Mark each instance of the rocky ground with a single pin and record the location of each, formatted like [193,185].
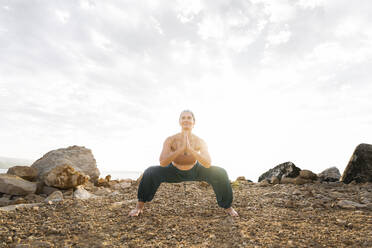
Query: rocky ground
[186,215]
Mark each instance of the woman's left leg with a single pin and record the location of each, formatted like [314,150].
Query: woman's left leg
[218,178]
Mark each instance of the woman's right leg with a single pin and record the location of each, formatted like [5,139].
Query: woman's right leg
[151,180]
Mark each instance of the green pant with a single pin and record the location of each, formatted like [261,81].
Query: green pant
[215,176]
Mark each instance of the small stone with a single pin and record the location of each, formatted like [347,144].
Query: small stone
[102,191]
[56,196]
[296,192]
[81,193]
[346,204]
[241,178]
[341,222]
[264,183]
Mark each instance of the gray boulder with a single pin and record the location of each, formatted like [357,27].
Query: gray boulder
[331,174]
[359,168]
[26,172]
[79,157]
[13,185]
[287,169]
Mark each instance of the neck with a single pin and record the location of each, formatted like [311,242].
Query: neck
[186,131]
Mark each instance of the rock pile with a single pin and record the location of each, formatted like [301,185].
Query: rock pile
[58,175]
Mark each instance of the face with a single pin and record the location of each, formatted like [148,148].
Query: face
[186,121]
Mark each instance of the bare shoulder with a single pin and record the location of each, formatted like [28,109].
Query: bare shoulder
[170,139]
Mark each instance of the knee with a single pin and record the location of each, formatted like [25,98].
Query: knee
[219,172]
[151,171]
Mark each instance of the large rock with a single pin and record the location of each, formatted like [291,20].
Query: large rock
[331,174]
[64,177]
[287,169]
[359,168]
[13,185]
[26,172]
[80,158]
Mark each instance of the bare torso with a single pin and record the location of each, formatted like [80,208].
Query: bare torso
[184,161]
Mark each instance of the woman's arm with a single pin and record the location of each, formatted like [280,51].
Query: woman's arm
[203,156]
[167,155]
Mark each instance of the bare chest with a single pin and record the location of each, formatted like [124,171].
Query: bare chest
[177,142]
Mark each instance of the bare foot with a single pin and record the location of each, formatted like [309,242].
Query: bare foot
[135,212]
[231,212]
[138,210]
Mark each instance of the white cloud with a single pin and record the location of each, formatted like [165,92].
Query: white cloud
[156,25]
[278,37]
[62,16]
[311,4]
[187,10]
[278,11]
[211,26]
[100,40]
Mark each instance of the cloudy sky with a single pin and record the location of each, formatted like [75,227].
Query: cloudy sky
[268,81]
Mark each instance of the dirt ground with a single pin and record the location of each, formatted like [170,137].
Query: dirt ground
[187,215]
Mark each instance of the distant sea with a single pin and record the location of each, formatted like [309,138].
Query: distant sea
[114,174]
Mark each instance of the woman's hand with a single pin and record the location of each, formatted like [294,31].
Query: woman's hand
[183,147]
[188,146]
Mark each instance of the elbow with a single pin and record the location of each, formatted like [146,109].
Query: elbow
[162,163]
[207,164]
